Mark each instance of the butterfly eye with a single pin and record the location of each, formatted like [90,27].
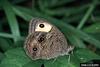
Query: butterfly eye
[41,26]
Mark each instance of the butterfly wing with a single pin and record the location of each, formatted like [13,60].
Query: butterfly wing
[49,44]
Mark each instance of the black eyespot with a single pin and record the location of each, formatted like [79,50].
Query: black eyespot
[41,25]
[34,49]
[41,39]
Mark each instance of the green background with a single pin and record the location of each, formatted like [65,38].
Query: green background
[78,20]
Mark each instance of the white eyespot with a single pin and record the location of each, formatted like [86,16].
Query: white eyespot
[44,27]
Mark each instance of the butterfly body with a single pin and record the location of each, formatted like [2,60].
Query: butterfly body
[45,43]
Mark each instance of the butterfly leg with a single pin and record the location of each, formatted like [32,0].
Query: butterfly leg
[69,56]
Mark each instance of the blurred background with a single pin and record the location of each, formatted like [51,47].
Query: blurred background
[78,20]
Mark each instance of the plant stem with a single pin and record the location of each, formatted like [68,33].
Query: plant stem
[86,16]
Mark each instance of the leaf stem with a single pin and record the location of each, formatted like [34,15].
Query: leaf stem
[86,16]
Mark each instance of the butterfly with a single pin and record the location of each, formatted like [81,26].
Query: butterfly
[45,41]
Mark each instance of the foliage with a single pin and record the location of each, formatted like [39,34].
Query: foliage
[78,20]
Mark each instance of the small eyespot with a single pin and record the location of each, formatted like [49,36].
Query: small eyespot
[41,25]
[41,39]
[35,49]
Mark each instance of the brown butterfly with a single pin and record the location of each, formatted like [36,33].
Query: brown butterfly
[45,41]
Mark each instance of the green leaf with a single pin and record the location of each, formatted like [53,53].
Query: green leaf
[57,62]
[10,65]
[75,40]
[86,55]
[88,13]
[1,56]
[4,44]
[15,57]
[34,63]
[73,61]
[6,35]
[94,28]
[22,13]
[62,61]
[96,35]
[14,2]
[54,3]
[73,19]
[66,12]
[11,17]
[17,52]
